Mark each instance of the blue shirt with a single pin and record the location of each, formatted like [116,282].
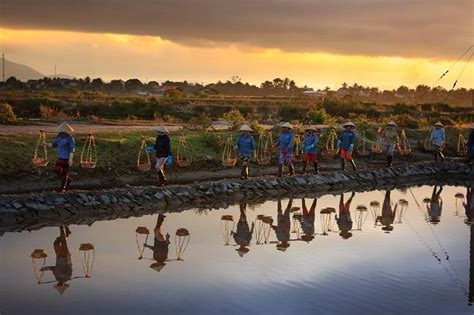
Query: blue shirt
[437,136]
[311,143]
[246,145]
[347,139]
[65,145]
[285,141]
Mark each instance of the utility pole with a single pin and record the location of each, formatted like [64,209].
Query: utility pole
[3,67]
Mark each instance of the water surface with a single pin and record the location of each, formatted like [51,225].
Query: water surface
[420,266]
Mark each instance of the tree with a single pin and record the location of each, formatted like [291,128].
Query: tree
[6,114]
[97,84]
[116,85]
[133,85]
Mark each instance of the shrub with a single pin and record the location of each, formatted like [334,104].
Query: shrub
[235,117]
[7,115]
[317,116]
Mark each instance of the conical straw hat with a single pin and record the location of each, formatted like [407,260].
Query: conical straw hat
[287,125]
[440,124]
[162,129]
[350,123]
[392,123]
[245,127]
[65,127]
[61,288]
[312,128]
[157,266]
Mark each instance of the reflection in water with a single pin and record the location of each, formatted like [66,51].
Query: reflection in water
[307,220]
[263,227]
[326,220]
[62,270]
[388,216]
[375,211]
[435,205]
[429,246]
[403,203]
[282,229]
[344,221]
[243,235]
[226,228]
[181,242]
[161,243]
[361,216]
[469,206]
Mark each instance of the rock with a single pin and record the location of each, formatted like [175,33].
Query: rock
[17,205]
[105,199]
[83,196]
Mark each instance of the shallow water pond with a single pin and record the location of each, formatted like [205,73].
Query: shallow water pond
[379,252]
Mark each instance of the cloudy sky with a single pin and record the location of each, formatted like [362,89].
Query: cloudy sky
[316,42]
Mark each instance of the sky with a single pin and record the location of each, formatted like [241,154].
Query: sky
[317,43]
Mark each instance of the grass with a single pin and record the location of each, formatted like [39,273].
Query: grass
[117,151]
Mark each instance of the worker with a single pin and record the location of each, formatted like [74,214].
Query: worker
[307,220]
[285,144]
[344,221]
[66,146]
[62,271]
[470,146]
[310,148]
[246,146]
[438,140]
[160,246]
[391,139]
[163,153]
[435,206]
[282,229]
[243,235]
[345,145]
[388,215]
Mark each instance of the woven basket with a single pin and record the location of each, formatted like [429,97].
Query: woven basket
[144,167]
[330,152]
[142,230]
[88,164]
[39,253]
[405,151]
[182,232]
[183,162]
[40,162]
[227,217]
[86,246]
[363,153]
[229,162]
[377,149]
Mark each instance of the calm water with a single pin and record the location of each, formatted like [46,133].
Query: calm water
[369,270]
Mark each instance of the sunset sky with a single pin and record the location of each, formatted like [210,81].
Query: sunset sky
[318,43]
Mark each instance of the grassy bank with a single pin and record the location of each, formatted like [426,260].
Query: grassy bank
[117,152]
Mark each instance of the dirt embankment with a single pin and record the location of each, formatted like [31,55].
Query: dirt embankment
[45,180]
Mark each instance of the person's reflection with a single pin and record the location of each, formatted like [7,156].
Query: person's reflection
[344,220]
[388,215]
[282,229]
[469,206]
[62,271]
[435,206]
[307,221]
[243,235]
[160,245]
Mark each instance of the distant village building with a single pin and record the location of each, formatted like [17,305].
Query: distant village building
[313,93]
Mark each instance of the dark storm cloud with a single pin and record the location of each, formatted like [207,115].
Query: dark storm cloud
[429,28]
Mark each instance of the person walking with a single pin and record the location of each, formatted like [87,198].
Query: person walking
[310,147]
[470,146]
[163,152]
[66,146]
[391,139]
[435,206]
[346,145]
[285,143]
[246,146]
[438,140]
